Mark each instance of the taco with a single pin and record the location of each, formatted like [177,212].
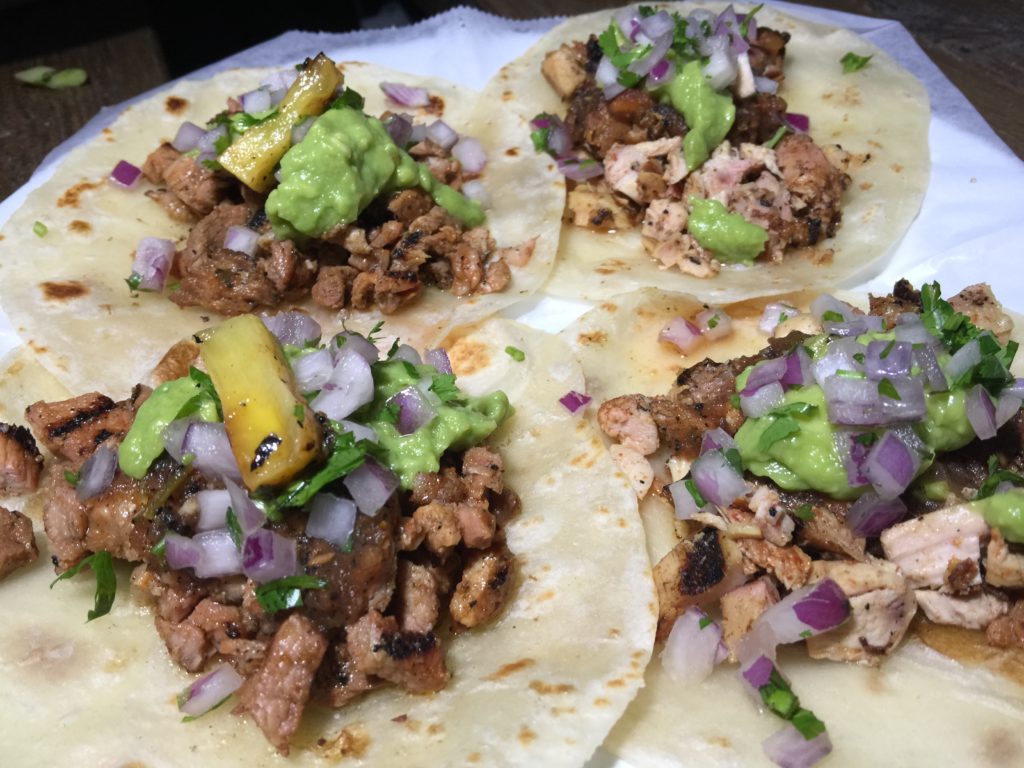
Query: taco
[357,228]
[721,152]
[492,633]
[831,502]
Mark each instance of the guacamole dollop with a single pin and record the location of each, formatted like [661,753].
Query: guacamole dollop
[708,114]
[461,422]
[1004,511]
[345,161]
[729,236]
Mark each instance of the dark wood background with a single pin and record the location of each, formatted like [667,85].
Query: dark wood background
[129,47]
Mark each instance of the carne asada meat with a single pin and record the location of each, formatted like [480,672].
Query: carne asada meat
[17,542]
[20,461]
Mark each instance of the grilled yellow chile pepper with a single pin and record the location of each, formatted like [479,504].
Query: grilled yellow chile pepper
[254,155]
[273,433]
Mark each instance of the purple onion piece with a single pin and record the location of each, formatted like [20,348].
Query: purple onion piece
[1007,407]
[313,370]
[981,413]
[208,141]
[869,515]
[891,465]
[799,371]
[125,174]
[349,387]
[97,473]
[965,358]
[209,691]
[471,154]
[442,134]
[188,136]
[152,263]
[888,358]
[408,354]
[758,673]
[840,355]
[763,400]
[174,438]
[439,359]
[399,128]
[853,454]
[406,95]
[414,410]
[574,401]
[359,431]
[255,101]
[267,556]
[824,608]
[788,747]
[218,554]
[213,509]
[371,485]
[181,551]
[249,516]
[716,439]
[295,328]
[209,445]
[332,519]
[714,323]
[765,372]
[716,479]
[580,170]
[796,121]
[681,333]
[771,318]
[924,357]
[692,648]
[241,239]
[357,343]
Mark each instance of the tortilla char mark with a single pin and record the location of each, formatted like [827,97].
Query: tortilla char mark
[175,105]
[63,290]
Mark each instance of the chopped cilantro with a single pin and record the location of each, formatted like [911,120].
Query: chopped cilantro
[997,476]
[345,456]
[783,317]
[389,413]
[852,62]
[102,564]
[645,11]
[698,497]
[515,353]
[732,455]
[160,548]
[234,528]
[539,137]
[705,622]
[780,699]
[866,438]
[281,594]
[713,322]
[807,723]
[610,42]
[40,229]
[887,350]
[859,357]
[776,138]
[134,281]
[806,633]
[832,316]
[780,428]
[349,98]
[887,389]
[798,408]
[745,24]
[72,477]
[734,399]
[804,512]
[443,385]
[376,329]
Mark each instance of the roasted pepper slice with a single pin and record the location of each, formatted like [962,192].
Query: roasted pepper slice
[254,155]
[273,433]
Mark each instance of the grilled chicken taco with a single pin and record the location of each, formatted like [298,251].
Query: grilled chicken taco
[728,153]
[833,512]
[257,190]
[368,558]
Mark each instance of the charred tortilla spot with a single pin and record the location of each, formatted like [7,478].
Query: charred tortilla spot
[548,688]
[80,227]
[705,566]
[510,669]
[468,356]
[507,95]
[526,735]
[73,194]
[175,104]
[61,290]
[267,446]
[512,151]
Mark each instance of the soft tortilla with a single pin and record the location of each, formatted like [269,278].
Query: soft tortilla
[929,707]
[66,292]
[879,115]
[541,686]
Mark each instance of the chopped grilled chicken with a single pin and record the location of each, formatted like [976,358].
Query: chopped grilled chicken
[881,608]
[635,467]
[1003,568]
[825,531]
[696,571]
[627,420]
[776,526]
[1008,631]
[924,547]
[790,565]
[974,612]
[741,608]
[563,69]
[636,170]
[978,303]
[591,204]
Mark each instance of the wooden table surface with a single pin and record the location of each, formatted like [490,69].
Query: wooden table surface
[976,44]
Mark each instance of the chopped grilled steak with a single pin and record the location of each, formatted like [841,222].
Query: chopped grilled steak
[758,117]
[486,583]
[411,660]
[20,460]
[195,185]
[340,680]
[17,542]
[72,429]
[767,53]
[417,597]
[904,298]
[275,696]
[826,531]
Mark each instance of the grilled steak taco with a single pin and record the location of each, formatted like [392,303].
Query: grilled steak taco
[721,152]
[259,190]
[831,502]
[367,557]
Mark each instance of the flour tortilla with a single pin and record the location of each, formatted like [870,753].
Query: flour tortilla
[920,708]
[541,686]
[879,115]
[65,292]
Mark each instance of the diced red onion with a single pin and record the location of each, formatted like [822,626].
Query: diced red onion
[751,27]
[661,73]
[771,318]
[1006,407]
[981,413]
[926,360]
[574,401]
[891,465]
[442,134]
[658,24]
[174,438]
[796,121]
[152,262]
[267,556]
[474,189]
[728,25]
[299,131]
[207,142]
[799,369]
[471,154]
[869,515]
[406,95]
[371,485]
[580,170]
[241,239]
[414,410]
[659,47]
[295,328]
[788,748]
[250,517]
[765,372]
[213,510]
[716,439]
[841,355]
[312,370]
[188,136]
[218,555]
[720,70]
[209,691]
[709,46]
[765,84]
[559,140]
[853,454]
[681,333]
[408,354]
[722,323]
[332,519]
[828,303]
[716,479]
[255,101]
[180,551]
[399,128]
[825,606]
[692,650]
[763,400]
[683,501]
[1016,389]
[857,325]
[910,328]
[209,445]
[857,402]
[280,81]
[125,174]
[349,340]
[349,387]
[359,431]
[965,358]
[896,362]
[758,673]
[439,359]
[607,75]
[97,473]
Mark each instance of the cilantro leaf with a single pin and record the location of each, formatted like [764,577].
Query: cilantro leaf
[72,477]
[698,497]
[997,476]
[887,389]
[852,62]
[376,329]
[515,353]
[780,428]
[832,316]
[778,696]
[776,137]
[345,456]
[102,564]
[234,529]
[732,455]
[804,512]
[390,413]
[745,24]
[134,281]
[705,622]
[798,408]
[349,98]
[40,230]
[443,385]
[281,594]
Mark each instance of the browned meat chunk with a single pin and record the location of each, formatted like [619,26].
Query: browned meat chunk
[20,460]
[331,287]
[1008,631]
[388,291]
[159,160]
[1003,567]
[445,486]
[627,420]
[768,53]
[169,201]
[64,521]
[186,643]
[412,660]
[176,362]
[340,679]
[176,592]
[17,543]
[276,695]
[486,583]
[565,69]
[592,204]
[227,282]
[820,185]
[790,565]
[476,523]
[441,525]
[195,185]
[409,204]
[695,572]
[482,469]
[904,298]
[207,236]
[982,308]
[72,429]
[419,605]
[826,531]
[741,608]
[963,577]
[758,117]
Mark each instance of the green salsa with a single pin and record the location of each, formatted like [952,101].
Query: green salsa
[708,114]
[1004,511]
[459,424]
[345,161]
[729,236]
